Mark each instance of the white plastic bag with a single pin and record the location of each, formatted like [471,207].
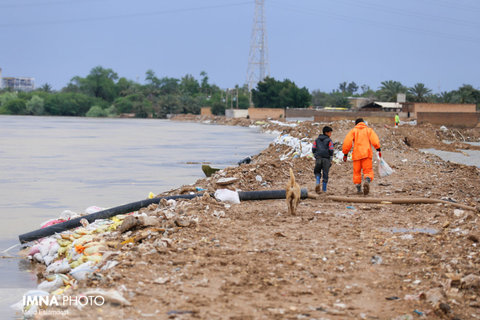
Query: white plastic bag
[226,195]
[82,271]
[383,168]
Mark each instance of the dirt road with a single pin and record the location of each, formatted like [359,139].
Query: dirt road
[333,260]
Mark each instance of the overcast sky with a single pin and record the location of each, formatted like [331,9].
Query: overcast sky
[315,43]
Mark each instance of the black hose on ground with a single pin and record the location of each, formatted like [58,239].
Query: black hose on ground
[134,206]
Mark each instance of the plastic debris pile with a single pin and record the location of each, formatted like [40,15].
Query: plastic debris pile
[83,253]
[299,147]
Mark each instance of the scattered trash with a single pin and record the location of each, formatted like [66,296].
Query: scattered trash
[470,281]
[404,317]
[179,312]
[420,313]
[410,230]
[258,178]
[226,195]
[376,260]
[112,296]
[161,280]
[392,298]
[301,146]
[82,271]
[208,171]
[226,181]
[218,214]
[247,160]
[53,282]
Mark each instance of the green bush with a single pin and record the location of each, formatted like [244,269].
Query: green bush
[96,112]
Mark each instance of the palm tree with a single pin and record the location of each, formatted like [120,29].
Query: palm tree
[46,87]
[419,93]
[389,90]
[468,94]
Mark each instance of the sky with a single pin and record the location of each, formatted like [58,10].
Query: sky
[316,43]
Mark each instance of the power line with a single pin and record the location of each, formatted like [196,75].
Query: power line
[123,16]
[42,4]
[356,19]
[402,12]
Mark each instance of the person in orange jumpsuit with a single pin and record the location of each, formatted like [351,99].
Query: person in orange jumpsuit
[362,138]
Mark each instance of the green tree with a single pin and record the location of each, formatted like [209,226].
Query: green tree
[389,90]
[97,112]
[99,83]
[468,94]
[271,93]
[167,104]
[69,104]
[338,100]
[142,109]
[218,108]
[189,85]
[126,87]
[15,106]
[35,106]
[352,87]
[448,97]
[320,99]
[46,88]
[419,93]
[7,96]
[127,104]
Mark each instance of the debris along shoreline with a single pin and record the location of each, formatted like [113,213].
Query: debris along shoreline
[210,259]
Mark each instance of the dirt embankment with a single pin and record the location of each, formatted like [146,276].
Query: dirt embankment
[210,260]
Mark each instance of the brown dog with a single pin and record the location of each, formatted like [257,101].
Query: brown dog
[292,194]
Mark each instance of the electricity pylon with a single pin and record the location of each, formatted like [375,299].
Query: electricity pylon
[258,67]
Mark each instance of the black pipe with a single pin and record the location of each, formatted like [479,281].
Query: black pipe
[108,213]
[134,206]
[267,194]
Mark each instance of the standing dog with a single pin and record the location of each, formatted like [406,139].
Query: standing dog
[292,194]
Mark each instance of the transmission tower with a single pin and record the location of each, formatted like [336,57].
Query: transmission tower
[258,67]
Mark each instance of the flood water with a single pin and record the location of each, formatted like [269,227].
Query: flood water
[51,164]
[468,157]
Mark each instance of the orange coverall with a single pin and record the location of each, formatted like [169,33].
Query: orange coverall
[362,138]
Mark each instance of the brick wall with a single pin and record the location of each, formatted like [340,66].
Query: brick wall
[450,119]
[299,113]
[236,113]
[370,117]
[205,111]
[439,107]
[266,113]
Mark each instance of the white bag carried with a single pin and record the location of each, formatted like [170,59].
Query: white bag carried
[383,167]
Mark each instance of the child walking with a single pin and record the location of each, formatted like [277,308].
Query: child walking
[323,152]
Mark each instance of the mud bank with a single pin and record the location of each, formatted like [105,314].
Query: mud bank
[205,259]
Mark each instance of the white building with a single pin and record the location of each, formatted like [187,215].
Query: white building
[17,83]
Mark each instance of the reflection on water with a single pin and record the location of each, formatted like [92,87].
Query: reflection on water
[50,164]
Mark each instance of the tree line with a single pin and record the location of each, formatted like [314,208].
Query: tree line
[388,92]
[102,93]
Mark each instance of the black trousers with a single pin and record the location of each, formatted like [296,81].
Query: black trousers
[322,164]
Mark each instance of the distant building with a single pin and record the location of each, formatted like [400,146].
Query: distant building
[358,102]
[17,83]
[382,106]
[413,108]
